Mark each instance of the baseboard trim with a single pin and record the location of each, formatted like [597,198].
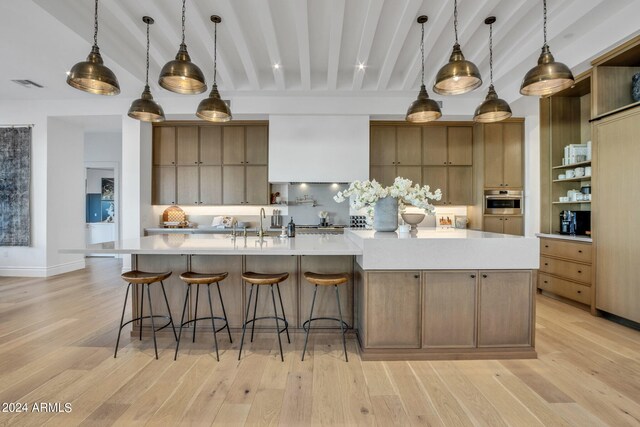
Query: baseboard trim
[42,271]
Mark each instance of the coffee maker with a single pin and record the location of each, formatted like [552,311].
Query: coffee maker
[575,222]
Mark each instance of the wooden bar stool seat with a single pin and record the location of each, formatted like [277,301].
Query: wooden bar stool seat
[258,279]
[197,279]
[335,280]
[143,278]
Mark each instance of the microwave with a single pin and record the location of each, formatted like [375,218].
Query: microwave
[503,202]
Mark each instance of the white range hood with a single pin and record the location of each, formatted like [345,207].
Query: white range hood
[318,148]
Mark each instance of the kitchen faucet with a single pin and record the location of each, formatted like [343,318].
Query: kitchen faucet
[261,215]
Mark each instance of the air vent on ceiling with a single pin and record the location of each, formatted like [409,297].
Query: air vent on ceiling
[439,104]
[27,83]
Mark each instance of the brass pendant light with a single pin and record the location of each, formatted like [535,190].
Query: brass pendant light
[548,76]
[181,75]
[493,109]
[92,75]
[458,76]
[145,108]
[423,109]
[213,108]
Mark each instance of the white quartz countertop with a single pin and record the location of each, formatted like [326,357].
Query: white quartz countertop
[445,249]
[217,244]
[428,249]
[565,237]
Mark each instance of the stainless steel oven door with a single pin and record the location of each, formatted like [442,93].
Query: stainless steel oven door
[507,203]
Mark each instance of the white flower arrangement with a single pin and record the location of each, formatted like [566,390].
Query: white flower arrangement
[366,193]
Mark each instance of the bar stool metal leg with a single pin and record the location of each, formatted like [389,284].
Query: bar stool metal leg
[141,306]
[224,312]
[306,338]
[153,326]
[275,312]
[255,307]
[195,313]
[213,323]
[169,311]
[284,316]
[344,340]
[124,308]
[184,310]
[244,325]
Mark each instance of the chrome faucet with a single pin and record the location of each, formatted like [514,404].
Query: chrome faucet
[262,215]
[233,229]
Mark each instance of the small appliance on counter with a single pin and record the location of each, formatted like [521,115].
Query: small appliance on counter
[575,223]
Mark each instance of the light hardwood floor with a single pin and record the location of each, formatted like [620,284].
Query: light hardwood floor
[56,345]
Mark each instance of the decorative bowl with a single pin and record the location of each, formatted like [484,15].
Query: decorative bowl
[413,219]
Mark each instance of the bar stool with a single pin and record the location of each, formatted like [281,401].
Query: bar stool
[136,278]
[191,278]
[326,280]
[261,279]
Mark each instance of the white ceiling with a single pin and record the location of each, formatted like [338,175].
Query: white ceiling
[318,43]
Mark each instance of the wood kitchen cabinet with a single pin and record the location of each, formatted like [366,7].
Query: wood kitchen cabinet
[512,224]
[212,164]
[503,154]
[395,151]
[451,145]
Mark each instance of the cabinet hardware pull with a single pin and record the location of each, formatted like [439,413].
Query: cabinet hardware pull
[506,185]
[579,271]
[546,246]
[579,251]
[195,163]
[484,276]
[416,276]
[445,163]
[449,162]
[506,219]
[546,281]
[473,276]
[579,292]
[546,263]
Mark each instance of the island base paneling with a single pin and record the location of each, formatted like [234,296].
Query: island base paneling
[439,314]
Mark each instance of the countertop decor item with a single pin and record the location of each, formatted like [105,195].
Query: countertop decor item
[367,194]
[413,219]
[173,214]
[635,87]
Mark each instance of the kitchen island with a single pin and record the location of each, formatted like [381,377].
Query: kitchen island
[435,294]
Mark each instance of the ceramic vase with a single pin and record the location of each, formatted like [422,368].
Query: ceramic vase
[385,214]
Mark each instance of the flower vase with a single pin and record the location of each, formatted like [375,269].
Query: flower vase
[385,214]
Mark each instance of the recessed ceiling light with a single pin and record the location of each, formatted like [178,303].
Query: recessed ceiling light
[276,66]
[361,66]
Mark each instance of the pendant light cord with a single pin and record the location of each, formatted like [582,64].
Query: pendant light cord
[422,52]
[455,19]
[184,9]
[215,52]
[147,75]
[544,3]
[95,25]
[491,53]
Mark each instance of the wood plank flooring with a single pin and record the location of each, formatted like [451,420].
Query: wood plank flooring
[56,346]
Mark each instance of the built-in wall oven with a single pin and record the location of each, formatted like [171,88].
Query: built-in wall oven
[503,202]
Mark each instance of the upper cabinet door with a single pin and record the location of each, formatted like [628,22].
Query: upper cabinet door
[434,145]
[257,145]
[493,155]
[233,185]
[409,146]
[512,146]
[233,145]
[383,145]
[257,185]
[436,178]
[460,145]
[210,145]
[460,185]
[164,145]
[187,145]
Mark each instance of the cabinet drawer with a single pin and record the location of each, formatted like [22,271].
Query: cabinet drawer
[564,288]
[565,249]
[566,269]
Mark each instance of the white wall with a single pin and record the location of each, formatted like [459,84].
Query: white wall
[94,179]
[65,195]
[103,147]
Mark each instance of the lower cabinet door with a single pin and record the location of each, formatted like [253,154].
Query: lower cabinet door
[449,309]
[506,308]
[393,309]
[493,224]
[513,225]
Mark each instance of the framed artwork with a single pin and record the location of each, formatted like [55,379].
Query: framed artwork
[107,188]
[461,221]
[445,220]
[107,211]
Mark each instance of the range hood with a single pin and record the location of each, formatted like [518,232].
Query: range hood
[319,149]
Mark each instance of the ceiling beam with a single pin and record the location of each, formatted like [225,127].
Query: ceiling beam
[405,22]
[269,33]
[435,25]
[232,25]
[301,18]
[335,42]
[366,40]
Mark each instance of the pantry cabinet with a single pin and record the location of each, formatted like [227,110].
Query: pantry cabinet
[503,155]
[210,164]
